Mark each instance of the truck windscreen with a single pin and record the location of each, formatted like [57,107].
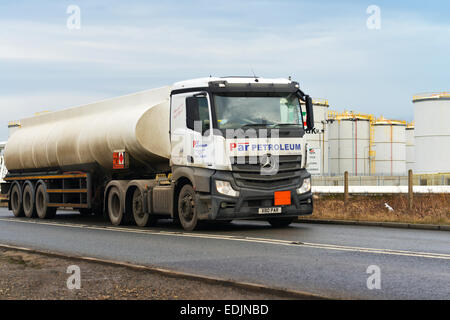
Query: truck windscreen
[235,111]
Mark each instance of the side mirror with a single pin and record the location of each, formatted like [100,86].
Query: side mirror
[309,113]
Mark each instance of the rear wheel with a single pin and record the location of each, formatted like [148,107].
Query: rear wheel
[29,205]
[141,218]
[42,208]
[115,207]
[187,212]
[16,201]
[280,222]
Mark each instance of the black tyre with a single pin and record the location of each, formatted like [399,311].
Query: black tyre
[16,201]
[141,218]
[187,212]
[28,200]
[115,207]
[42,208]
[280,222]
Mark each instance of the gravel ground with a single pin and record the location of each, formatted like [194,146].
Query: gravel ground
[34,276]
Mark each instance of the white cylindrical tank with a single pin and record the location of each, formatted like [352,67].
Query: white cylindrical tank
[137,123]
[390,147]
[318,139]
[432,133]
[410,147]
[349,139]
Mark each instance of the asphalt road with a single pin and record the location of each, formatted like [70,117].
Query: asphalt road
[329,260]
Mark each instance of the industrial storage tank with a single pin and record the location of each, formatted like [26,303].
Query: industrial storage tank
[90,134]
[432,132]
[410,147]
[390,147]
[350,145]
[318,139]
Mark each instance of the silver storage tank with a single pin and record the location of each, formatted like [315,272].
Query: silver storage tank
[89,134]
[432,132]
[390,147]
[410,147]
[349,138]
[318,139]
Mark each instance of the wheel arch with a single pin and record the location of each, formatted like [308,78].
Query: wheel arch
[179,184]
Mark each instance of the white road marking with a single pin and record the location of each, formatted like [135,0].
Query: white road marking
[239,238]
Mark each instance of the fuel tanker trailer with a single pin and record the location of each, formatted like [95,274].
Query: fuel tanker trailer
[203,149]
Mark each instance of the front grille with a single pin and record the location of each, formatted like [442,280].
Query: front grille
[247,171]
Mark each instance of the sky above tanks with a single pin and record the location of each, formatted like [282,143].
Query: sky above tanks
[128,46]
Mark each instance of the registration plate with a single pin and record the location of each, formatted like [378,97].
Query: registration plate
[269,210]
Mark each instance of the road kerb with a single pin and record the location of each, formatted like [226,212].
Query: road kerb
[379,224]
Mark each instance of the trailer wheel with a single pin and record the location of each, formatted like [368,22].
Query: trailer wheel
[280,222]
[16,201]
[29,204]
[115,207]
[187,212]
[42,208]
[141,218]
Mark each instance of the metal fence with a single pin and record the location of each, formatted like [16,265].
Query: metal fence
[418,180]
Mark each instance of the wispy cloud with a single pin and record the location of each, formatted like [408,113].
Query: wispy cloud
[124,48]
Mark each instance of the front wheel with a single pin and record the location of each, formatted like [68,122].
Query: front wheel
[280,222]
[187,212]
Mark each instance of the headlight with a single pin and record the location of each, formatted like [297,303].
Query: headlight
[224,187]
[306,186]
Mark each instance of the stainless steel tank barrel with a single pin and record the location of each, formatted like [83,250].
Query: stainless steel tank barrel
[137,123]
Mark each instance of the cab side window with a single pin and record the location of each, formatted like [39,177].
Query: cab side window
[197,109]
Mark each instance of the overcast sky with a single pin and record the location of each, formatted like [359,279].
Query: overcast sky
[128,46]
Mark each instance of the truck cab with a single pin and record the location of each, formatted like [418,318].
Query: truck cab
[239,150]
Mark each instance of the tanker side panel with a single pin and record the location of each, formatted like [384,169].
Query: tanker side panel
[137,124]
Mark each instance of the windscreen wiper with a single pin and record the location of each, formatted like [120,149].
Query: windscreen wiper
[256,125]
[286,124]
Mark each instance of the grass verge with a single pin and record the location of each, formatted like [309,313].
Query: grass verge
[427,209]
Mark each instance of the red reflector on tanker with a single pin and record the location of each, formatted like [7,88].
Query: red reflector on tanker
[282,198]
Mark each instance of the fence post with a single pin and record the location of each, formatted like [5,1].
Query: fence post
[410,189]
[346,187]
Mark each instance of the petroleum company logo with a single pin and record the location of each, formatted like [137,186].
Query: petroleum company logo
[196,144]
[240,146]
[246,146]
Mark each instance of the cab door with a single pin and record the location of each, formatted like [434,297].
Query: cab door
[191,130]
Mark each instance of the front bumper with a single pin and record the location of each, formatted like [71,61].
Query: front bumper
[216,206]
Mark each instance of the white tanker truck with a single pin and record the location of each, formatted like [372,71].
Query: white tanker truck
[204,149]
